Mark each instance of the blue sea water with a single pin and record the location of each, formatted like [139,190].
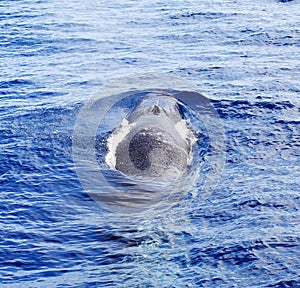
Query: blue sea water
[243,55]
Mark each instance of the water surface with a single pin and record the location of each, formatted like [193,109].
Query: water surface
[244,56]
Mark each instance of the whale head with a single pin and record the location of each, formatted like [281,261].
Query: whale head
[152,141]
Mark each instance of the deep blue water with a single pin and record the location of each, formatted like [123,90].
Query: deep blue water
[243,55]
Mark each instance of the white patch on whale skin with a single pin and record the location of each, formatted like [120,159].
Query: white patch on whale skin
[115,139]
[187,135]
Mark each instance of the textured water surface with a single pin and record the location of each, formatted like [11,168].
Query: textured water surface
[55,55]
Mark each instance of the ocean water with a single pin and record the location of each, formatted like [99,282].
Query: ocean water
[243,55]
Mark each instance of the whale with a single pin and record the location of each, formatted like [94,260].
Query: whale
[153,141]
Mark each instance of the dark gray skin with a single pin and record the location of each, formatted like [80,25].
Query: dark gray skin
[153,147]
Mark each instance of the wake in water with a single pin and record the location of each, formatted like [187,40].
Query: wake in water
[152,144]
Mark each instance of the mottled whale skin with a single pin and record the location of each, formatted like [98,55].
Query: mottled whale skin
[153,140]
